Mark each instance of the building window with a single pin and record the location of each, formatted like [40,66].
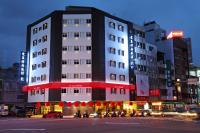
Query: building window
[34,42]
[34,66]
[121,65]
[112,25]
[76,34]
[33,79]
[34,54]
[39,40]
[76,90]
[88,90]
[150,48]
[44,64]
[121,52]
[76,21]
[64,35]
[76,62]
[122,77]
[122,91]
[120,28]
[112,63]
[112,37]
[64,76]
[76,75]
[112,76]
[38,78]
[63,91]
[120,40]
[45,26]
[113,90]
[32,92]
[112,50]
[64,48]
[43,77]
[76,48]
[40,28]
[88,61]
[44,38]
[64,62]
[42,91]
[88,48]
[88,75]
[39,53]
[88,34]
[44,51]
[88,21]
[35,30]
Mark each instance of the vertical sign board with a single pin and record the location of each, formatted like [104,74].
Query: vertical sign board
[169,81]
[142,84]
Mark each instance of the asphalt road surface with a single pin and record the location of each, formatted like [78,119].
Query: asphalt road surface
[96,125]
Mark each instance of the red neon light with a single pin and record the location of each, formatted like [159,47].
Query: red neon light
[112,104]
[76,104]
[69,104]
[175,34]
[38,104]
[58,85]
[91,104]
[47,104]
[83,104]
[61,104]
[154,92]
[119,103]
[105,103]
[98,103]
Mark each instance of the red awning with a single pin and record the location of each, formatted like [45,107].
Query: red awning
[59,85]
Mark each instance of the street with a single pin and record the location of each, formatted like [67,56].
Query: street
[96,125]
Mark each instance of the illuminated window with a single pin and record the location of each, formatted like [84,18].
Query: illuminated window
[35,30]
[45,26]
[112,25]
[122,77]
[112,76]
[44,64]
[44,38]
[112,63]
[44,51]
[34,42]
[120,28]
[113,91]
[112,37]
[112,50]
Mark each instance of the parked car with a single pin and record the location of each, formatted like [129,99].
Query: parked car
[53,115]
[142,113]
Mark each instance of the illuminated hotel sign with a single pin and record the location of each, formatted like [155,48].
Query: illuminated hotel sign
[22,66]
[175,34]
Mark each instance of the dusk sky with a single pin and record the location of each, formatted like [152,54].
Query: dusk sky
[15,15]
